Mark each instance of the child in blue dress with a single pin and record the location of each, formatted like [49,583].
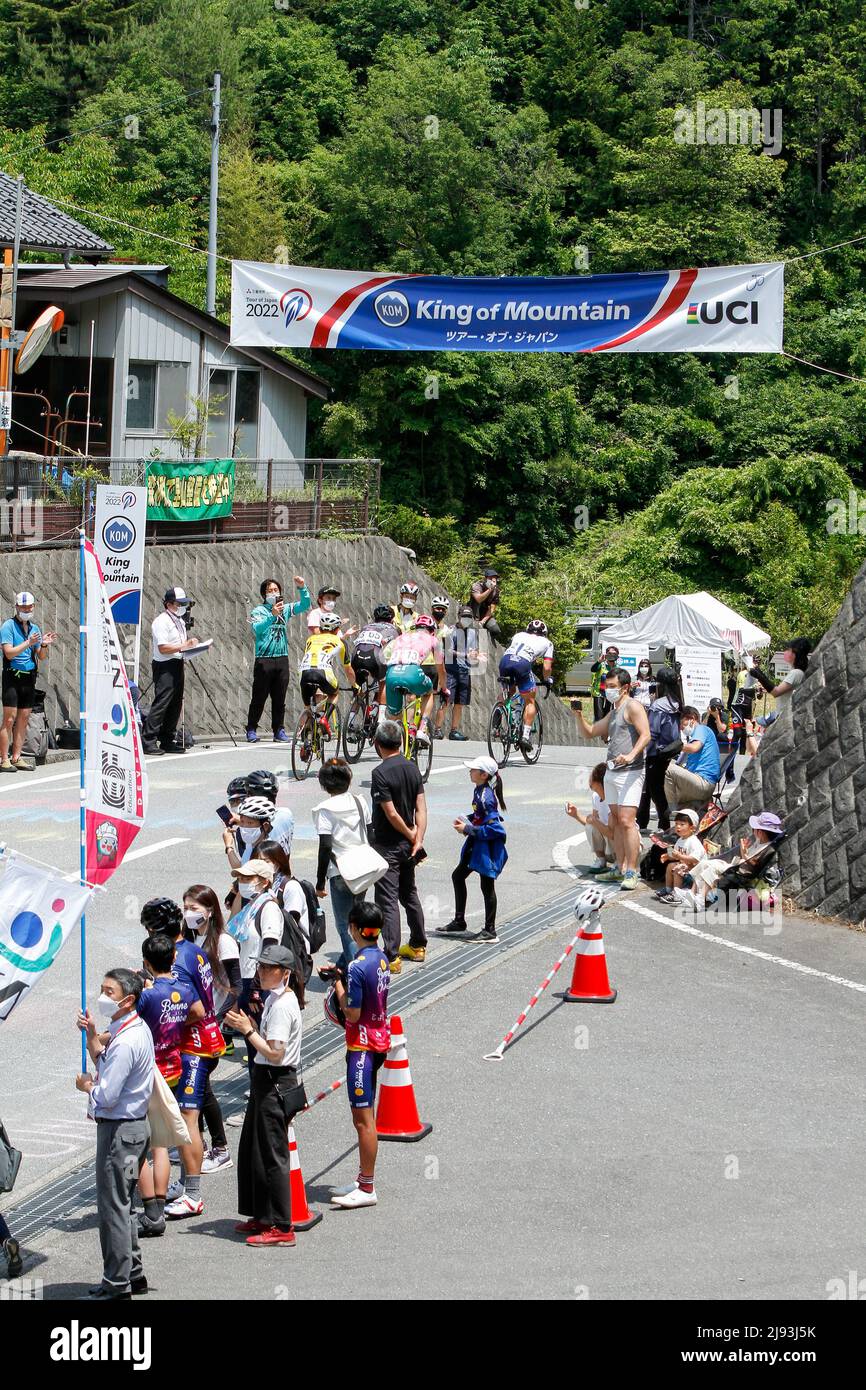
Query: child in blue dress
[484,849]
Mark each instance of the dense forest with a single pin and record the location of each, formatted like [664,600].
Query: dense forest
[552,151]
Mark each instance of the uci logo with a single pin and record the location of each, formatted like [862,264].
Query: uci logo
[127,501]
[739,311]
[117,534]
[391,308]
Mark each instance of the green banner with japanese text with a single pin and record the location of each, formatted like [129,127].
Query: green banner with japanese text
[195,490]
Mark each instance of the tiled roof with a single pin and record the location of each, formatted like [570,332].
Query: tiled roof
[44,227]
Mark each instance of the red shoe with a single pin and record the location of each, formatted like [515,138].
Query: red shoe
[325,727]
[273,1237]
[249,1228]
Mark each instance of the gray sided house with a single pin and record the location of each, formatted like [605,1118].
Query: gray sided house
[154,356]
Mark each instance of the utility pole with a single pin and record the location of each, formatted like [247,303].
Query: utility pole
[8,336]
[214,194]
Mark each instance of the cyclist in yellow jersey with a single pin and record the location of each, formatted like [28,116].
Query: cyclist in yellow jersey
[323,652]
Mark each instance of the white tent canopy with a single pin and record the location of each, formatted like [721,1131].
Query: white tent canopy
[727,620]
[679,621]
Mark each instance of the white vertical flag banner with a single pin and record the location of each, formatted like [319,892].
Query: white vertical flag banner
[38,910]
[115,782]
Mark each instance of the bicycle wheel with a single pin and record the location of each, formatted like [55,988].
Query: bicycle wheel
[329,745]
[422,756]
[536,738]
[354,730]
[498,736]
[302,747]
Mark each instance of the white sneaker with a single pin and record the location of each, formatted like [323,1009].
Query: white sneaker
[343,1191]
[215,1159]
[175,1191]
[355,1198]
[422,738]
[184,1206]
[236,1120]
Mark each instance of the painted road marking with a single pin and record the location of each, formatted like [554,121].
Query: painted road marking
[152,849]
[738,946]
[559,855]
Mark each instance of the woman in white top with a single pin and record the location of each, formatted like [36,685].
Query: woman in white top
[641,688]
[286,888]
[276,1096]
[342,823]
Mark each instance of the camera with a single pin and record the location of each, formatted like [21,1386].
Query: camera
[188,620]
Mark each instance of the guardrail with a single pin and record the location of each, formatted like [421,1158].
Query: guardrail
[43,501]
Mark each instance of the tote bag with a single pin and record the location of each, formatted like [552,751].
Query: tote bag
[167,1125]
[360,866]
[10,1162]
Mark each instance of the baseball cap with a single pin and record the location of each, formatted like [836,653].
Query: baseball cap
[483,764]
[688,814]
[767,820]
[24,600]
[272,954]
[491,574]
[255,868]
[176,595]
[329,589]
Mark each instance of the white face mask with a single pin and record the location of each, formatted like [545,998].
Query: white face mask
[271,599]
[407,603]
[249,834]
[246,888]
[465,622]
[24,615]
[329,605]
[612,696]
[196,921]
[687,730]
[106,1007]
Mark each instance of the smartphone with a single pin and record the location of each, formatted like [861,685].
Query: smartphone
[418,856]
[224,814]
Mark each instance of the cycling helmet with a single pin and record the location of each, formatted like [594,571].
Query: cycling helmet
[162,914]
[383,613]
[333,1012]
[238,786]
[537,628]
[257,808]
[330,622]
[424,620]
[409,589]
[262,783]
[440,602]
[589,902]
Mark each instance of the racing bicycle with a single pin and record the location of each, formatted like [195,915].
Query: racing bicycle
[317,735]
[359,726]
[410,720]
[505,726]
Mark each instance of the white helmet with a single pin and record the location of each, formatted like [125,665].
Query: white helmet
[257,808]
[589,902]
[24,599]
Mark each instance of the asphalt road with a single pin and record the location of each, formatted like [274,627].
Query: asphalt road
[702,1137]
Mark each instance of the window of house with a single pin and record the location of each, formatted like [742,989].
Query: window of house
[233,414]
[154,390]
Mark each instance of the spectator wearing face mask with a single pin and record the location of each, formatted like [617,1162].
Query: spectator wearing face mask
[271,665]
[642,687]
[254,822]
[690,781]
[461,654]
[170,641]
[326,602]
[599,672]
[24,645]
[484,600]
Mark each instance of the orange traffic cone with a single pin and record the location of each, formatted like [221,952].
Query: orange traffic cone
[397,1116]
[302,1218]
[589,982]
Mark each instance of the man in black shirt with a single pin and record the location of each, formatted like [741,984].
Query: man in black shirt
[484,602]
[399,826]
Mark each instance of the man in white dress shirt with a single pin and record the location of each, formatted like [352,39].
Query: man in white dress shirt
[170,641]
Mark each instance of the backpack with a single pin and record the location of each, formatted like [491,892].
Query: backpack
[37,739]
[292,938]
[315,915]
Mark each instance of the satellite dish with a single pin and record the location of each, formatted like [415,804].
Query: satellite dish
[37,339]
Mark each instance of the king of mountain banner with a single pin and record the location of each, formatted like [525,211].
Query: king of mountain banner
[721,309]
[115,783]
[197,491]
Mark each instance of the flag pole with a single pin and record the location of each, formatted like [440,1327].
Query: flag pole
[82,632]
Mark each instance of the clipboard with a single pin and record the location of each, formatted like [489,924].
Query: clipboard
[197,650]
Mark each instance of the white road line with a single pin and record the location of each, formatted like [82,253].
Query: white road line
[738,946]
[559,854]
[9,786]
[455,767]
[152,849]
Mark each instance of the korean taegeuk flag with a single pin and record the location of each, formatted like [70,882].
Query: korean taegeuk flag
[115,782]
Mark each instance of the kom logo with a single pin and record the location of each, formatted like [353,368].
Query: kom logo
[295,305]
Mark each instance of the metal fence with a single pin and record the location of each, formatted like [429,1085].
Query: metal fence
[44,500]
